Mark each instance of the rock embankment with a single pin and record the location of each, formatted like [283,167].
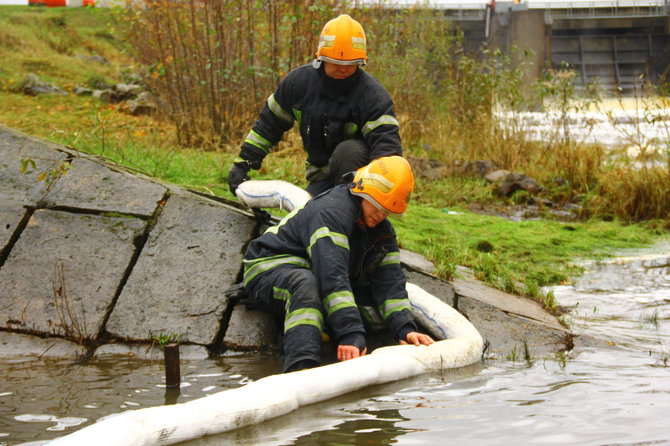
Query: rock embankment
[103,261]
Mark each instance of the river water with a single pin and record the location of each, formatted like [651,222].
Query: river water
[616,391]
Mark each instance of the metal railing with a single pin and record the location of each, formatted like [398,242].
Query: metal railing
[599,9]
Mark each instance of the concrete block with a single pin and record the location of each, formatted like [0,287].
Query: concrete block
[93,252]
[13,345]
[193,254]
[417,261]
[149,351]
[250,329]
[93,186]
[11,214]
[25,188]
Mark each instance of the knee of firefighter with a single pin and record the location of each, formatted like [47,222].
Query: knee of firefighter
[304,290]
[347,157]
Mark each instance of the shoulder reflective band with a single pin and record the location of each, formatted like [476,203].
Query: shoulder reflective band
[282,114]
[383,120]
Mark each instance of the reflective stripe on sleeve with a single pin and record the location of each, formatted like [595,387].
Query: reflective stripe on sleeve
[338,300]
[392,305]
[392,258]
[337,238]
[279,112]
[383,120]
[257,140]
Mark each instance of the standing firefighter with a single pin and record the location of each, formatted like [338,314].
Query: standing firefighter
[344,115]
[334,264]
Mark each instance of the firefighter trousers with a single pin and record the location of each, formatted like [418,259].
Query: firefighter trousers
[291,294]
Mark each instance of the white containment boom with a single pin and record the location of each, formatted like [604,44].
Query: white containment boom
[277,395]
[272,194]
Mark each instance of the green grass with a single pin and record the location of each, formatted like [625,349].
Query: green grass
[532,253]
[515,256]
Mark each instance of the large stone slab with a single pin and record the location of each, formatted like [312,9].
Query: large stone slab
[177,286]
[509,336]
[508,323]
[506,302]
[149,351]
[93,253]
[11,214]
[93,186]
[416,261]
[19,187]
[250,330]
[13,345]
[438,288]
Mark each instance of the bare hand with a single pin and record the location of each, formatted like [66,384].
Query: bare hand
[417,338]
[345,352]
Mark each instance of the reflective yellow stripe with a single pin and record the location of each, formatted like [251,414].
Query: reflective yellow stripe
[304,316]
[358,43]
[383,120]
[274,229]
[392,305]
[372,316]
[392,258]
[326,41]
[338,300]
[280,294]
[298,115]
[350,129]
[257,140]
[252,268]
[282,114]
[337,238]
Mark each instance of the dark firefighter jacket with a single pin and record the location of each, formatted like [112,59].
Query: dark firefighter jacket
[348,258]
[328,111]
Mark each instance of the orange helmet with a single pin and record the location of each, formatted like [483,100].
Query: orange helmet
[342,42]
[386,182]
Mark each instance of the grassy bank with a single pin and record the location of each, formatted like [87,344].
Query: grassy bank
[57,45]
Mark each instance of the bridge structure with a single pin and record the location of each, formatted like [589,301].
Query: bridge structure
[616,43]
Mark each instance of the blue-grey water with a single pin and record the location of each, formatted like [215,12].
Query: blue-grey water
[616,392]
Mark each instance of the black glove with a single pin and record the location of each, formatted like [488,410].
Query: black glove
[238,175]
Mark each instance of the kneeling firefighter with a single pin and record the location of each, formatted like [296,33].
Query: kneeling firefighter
[335,264]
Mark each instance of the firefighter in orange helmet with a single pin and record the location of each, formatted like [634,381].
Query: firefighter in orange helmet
[334,266]
[344,115]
